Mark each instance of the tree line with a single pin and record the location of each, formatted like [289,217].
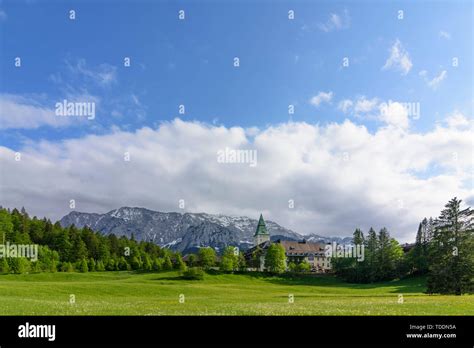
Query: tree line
[443,251]
[70,249]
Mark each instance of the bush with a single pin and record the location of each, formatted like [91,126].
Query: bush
[303,267]
[193,273]
[292,267]
[19,265]
[4,267]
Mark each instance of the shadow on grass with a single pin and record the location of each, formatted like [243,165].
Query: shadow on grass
[406,285]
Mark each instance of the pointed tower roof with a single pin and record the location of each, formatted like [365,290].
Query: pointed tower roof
[261,227]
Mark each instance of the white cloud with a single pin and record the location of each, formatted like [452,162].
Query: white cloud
[336,22]
[345,105]
[394,114]
[436,81]
[296,161]
[458,120]
[28,113]
[103,75]
[321,97]
[399,59]
[364,105]
[360,107]
[445,35]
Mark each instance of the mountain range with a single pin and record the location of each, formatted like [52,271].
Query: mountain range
[185,232]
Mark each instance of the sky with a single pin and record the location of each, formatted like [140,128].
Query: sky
[359,113]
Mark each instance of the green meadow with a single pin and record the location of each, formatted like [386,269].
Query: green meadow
[129,293]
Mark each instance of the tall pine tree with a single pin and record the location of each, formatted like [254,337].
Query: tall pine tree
[451,251]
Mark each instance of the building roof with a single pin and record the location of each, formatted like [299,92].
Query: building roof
[293,248]
[302,247]
[261,227]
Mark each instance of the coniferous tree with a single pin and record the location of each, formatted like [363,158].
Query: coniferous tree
[451,258]
[100,266]
[157,264]
[92,265]
[84,268]
[147,264]
[167,264]
[384,265]
[136,264]
[110,265]
[179,263]
[371,254]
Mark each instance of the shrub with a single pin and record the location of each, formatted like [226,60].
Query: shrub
[4,267]
[303,267]
[19,265]
[292,267]
[193,273]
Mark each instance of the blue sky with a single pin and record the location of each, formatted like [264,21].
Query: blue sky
[282,62]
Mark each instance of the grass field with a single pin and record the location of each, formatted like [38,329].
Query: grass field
[127,293]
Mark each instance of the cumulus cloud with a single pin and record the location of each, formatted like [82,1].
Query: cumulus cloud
[321,97]
[458,120]
[394,114]
[399,59]
[391,113]
[340,175]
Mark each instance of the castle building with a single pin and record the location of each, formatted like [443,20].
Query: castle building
[295,251]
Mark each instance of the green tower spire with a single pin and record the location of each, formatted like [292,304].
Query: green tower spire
[261,227]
